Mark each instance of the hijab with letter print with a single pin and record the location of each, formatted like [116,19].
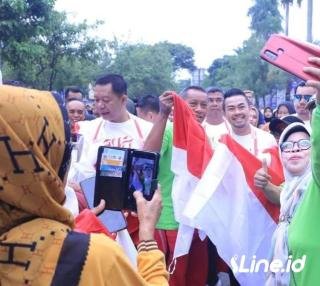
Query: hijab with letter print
[33,157]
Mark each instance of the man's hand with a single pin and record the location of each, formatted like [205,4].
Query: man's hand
[314,72]
[148,214]
[261,177]
[166,102]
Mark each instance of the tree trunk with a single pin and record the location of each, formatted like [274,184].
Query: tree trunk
[287,19]
[309,21]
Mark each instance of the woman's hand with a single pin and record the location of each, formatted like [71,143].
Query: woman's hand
[314,72]
[148,214]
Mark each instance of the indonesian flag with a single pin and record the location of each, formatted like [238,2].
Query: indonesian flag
[218,196]
[191,154]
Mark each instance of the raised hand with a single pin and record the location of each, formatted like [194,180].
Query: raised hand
[166,102]
[261,177]
[314,72]
[148,214]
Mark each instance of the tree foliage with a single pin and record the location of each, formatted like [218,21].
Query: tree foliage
[245,69]
[265,18]
[182,56]
[39,44]
[148,69]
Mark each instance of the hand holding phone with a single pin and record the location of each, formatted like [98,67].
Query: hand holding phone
[148,214]
[290,55]
[314,71]
[113,220]
[120,172]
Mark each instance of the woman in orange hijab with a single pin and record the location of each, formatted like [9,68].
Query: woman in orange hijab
[37,243]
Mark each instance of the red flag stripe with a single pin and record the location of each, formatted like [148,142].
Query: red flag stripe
[190,136]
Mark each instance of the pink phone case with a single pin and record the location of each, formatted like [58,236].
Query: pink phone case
[290,55]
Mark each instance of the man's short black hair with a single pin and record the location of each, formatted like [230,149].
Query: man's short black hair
[300,84]
[184,92]
[149,103]
[74,89]
[234,92]
[214,89]
[118,84]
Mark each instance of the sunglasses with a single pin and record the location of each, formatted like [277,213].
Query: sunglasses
[306,97]
[303,144]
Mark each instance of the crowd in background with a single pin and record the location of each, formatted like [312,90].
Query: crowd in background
[34,123]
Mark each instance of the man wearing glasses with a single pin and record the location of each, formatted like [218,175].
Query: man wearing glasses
[303,95]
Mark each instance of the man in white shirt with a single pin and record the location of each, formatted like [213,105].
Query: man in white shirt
[237,108]
[215,124]
[115,128]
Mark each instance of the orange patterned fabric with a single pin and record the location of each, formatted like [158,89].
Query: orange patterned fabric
[35,247]
[32,146]
[33,224]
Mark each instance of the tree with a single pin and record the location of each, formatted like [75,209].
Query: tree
[48,46]
[148,69]
[286,4]
[20,21]
[309,20]
[245,69]
[221,73]
[265,18]
[182,56]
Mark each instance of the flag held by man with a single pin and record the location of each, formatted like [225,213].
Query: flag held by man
[219,198]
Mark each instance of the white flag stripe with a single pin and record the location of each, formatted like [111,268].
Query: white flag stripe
[214,174]
[184,182]
[183,185]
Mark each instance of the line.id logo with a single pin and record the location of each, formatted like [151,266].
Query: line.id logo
[254,265]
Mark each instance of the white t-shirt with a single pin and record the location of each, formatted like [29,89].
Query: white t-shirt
[256,142]
[308,125]
[99,132]
[214,132]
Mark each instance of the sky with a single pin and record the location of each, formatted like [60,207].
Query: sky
[212,28]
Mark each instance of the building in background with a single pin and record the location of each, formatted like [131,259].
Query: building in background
[197,76]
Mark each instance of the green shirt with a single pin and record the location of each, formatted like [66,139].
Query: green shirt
[304,230]
[165,177]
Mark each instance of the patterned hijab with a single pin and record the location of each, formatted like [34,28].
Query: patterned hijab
[290,198]
[34,157]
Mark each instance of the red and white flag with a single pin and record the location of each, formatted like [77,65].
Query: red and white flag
[191,154]
[224,204]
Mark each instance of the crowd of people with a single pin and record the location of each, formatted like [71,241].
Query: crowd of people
[49,237]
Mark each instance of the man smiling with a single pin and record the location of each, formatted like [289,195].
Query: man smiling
[196,98]
[237,109]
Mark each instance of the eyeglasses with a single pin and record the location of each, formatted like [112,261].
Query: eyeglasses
[303,144]
[306,97]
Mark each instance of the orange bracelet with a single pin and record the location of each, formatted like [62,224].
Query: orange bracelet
[147,245]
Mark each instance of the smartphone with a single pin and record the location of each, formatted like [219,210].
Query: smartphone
[113,220]
[112,177]
[143,174]
[290,55]
[122,171]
